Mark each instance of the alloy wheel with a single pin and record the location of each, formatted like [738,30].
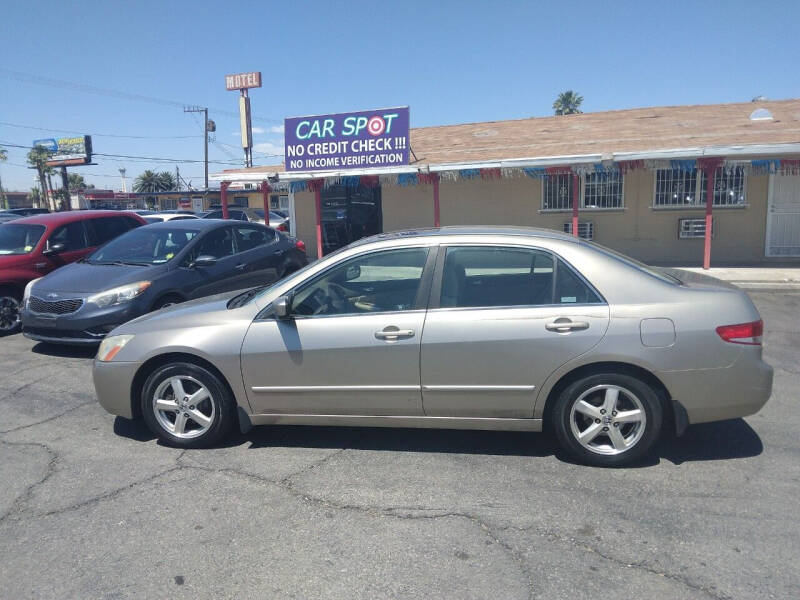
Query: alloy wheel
[607,419]
[183,407]
[9,313]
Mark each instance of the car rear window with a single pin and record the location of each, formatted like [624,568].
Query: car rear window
[19,239]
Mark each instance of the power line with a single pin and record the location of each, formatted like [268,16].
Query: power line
[111,135]
[90,89]
[134,157]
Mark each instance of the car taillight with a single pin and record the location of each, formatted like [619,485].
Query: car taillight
[282,227]
[300,245]
[743,333]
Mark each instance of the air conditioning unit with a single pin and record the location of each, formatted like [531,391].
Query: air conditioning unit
[585,229]
[694,228]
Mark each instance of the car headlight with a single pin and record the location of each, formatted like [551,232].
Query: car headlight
[111,346]
[27,293]
[118,295]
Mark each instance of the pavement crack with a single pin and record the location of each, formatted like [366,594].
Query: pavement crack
[639,565]
[50,469]
[48,419]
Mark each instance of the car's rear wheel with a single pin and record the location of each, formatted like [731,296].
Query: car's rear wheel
[9,313]
[607,419]
[187,405]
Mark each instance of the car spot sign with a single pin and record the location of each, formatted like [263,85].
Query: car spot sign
[355,140]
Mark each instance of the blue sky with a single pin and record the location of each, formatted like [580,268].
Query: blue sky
[451,62]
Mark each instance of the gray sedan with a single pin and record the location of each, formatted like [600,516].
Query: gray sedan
[475,328]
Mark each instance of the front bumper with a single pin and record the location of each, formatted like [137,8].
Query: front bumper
[113,382]
[87,326]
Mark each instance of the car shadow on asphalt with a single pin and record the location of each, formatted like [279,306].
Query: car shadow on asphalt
[723,440]
[63,351]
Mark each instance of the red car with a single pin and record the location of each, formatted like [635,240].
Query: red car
[33,246]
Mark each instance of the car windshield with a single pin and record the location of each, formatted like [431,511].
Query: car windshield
[276,215]
[145,246]
[259,212]
[19,239]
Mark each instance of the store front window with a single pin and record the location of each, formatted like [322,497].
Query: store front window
[349,214]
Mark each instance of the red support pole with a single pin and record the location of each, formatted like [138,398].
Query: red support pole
[436,202]
[575,204]
[709,167]
[318,201]
[223,197]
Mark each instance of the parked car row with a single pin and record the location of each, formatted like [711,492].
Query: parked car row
[108,268]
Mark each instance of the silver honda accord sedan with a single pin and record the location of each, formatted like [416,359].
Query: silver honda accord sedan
[456,327]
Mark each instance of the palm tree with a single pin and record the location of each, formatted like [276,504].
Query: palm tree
[37,158]
[568,103]
[150,182]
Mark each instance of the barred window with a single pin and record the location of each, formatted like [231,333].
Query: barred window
[557,192]
[729,187]
[688,188]
[675,187]
[602,190]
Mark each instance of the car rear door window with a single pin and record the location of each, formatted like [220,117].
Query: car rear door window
[104,229]
[217,243]
[571,289]
[248,237]
[70,235]
[493,276]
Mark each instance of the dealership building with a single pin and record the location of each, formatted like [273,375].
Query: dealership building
[646,182]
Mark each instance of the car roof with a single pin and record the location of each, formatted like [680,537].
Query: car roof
[61,218]
[196,224]
[462,230]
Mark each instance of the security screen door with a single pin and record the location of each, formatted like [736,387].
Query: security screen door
[783,216]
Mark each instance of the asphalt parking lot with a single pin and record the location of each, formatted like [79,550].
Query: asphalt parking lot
[93,507]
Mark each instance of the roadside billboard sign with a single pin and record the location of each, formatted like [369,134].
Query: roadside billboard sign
[354,140]
[67,151]
[243,81]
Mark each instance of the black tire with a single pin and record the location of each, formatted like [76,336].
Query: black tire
[9,312]
[593,389]
[165,301]
[221,406]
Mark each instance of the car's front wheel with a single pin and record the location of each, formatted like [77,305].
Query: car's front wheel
[187,405]
[9,313]
[607,419]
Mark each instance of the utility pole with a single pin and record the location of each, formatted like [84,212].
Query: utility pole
[122,172]
[207,126]
[178,177]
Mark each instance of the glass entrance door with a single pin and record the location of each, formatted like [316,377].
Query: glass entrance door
[349,214]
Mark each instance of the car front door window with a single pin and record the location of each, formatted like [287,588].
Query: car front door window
[387,281]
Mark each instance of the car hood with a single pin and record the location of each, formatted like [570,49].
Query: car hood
[203,312]
[83,278]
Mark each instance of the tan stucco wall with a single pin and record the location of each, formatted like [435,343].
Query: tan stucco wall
[306,221]
[639,230]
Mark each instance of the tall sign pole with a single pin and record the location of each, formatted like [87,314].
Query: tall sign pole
[243,82]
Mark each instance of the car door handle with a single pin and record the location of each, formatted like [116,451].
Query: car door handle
[392,334]
[240,267]
[565,326]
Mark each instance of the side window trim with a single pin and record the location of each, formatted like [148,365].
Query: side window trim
[436,288]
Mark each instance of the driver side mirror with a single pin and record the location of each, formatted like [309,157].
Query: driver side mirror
[54,249]
[204,260]
[282,307]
